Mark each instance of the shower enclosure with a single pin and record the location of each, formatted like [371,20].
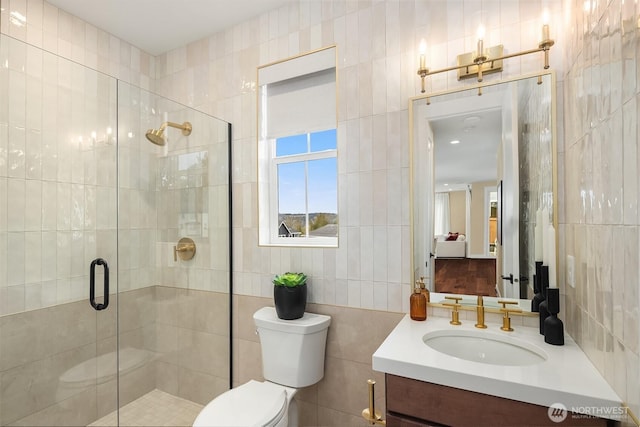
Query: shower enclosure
[100,305]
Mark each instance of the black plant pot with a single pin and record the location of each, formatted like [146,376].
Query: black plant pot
[290,302]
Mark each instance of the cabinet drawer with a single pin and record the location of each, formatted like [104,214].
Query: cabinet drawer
[442,405]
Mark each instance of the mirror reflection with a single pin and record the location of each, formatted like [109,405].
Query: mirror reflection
[482,176]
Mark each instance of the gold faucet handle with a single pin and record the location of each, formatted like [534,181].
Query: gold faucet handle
[506,311]
[506,302]
[455,314]
[450,304]
[506,320]
[452,298]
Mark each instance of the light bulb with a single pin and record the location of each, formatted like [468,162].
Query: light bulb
[545,16]
[423,50]
[545,24]
[480,49]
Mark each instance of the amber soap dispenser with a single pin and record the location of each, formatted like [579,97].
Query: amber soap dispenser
[418,304]
[423,289]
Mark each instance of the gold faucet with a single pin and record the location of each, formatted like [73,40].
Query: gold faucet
[506,320]
[480,314]
[455,315]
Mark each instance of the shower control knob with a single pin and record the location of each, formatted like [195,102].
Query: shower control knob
[185,249]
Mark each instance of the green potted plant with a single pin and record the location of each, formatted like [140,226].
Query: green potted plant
[290,295]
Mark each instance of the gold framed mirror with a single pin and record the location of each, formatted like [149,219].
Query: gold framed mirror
[505,166]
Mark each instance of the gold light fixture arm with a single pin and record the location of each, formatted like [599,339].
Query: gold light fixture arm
[479,62]
[423,72]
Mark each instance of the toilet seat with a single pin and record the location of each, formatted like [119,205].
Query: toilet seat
[251,404]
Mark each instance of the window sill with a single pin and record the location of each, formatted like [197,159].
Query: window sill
[302,243]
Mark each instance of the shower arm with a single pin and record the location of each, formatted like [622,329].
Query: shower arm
[185,127]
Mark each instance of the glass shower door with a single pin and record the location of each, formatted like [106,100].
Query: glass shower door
[58,207]
[174,259]
[87,199]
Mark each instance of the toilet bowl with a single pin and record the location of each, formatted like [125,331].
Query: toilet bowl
[254,403]
[292,357]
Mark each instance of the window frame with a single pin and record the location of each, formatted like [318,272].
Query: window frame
[267,166]
[274,162]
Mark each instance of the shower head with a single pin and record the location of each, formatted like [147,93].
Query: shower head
[157,135]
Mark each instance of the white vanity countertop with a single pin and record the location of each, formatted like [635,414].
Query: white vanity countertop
[567,376]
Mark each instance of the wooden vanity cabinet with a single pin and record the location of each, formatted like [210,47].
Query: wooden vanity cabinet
[413,403]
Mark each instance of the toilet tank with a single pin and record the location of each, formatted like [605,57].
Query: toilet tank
[292,350]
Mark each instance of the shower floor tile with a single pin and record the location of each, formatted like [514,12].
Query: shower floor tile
[155,408]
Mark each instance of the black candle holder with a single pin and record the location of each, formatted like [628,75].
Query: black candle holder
[553,327]
[537,297]
[542,307]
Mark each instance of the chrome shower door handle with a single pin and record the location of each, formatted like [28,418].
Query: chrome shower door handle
[92,284]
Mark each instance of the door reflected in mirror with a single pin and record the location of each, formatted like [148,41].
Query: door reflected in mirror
[481,168]
[492,222]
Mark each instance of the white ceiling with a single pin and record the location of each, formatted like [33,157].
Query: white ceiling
[474,159]
[157,26]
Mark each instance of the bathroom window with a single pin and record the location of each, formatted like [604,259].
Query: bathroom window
[297,152]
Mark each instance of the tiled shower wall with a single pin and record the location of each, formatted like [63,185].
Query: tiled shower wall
[57,155]
[601,164]
[59,180]
[58,148]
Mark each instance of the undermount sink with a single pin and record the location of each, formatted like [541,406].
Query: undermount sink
[485,347]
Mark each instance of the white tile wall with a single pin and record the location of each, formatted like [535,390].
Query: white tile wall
[377,45]
[58,32]
[49,164]
[57,163]
[601,188]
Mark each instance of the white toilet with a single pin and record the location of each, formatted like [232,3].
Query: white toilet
[292,358]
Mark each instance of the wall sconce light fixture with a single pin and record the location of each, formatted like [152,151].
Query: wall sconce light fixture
[484,61]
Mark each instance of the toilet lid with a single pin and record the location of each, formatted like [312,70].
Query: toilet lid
[252,404]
